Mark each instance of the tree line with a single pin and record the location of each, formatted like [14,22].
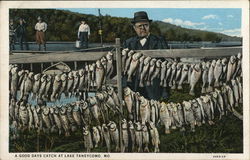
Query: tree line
[63,26]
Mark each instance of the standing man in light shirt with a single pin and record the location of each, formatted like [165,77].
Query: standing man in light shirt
[41,28]
[84,33]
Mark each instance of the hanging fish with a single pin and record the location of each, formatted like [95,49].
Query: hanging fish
[128,61]
[231,68]
[138,136]
[125,138]
[195,77]
[238,69]
[181,116]
[65,121]
[46,119]
[157,71]
[100,72]
[129,101]
[145,138]
[24,116]
[96,136]
[63,88]
[31,118]
[124,57]
[165,117]
[173,73]
[76,113]
[133,66]
[217,73]
[114,134]
[188,114]
[106,136]
[151,71]
[205,68]
[76,83]
[110,67]
[57,83]
[163,72]
[45,96]
[132,136]
[211,76]
[168,74]
[155,138]
[144,72]
[14,82]
[36,86]
[184,74]
[144,110]
[198,112]
[87,139]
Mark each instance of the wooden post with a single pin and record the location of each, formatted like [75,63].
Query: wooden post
[41,67]
[75,65]
[119,82]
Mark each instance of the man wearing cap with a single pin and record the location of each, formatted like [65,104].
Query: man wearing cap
[21,34]
[40,28]
[83,33]
[145,41]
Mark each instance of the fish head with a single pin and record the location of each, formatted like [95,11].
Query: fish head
[76,74]
[63,77]
[58,77]
[233,82]
[136,56]
[125,51]
[232,59]
[99,96]
[46,110]
[179,65]
[31,75]
[144,128]
[69,108]
[138,125]
[215,94]
[127,91]
[239,55]
[213,62]
[152,62]
[109,55]
[104,60]
[197,67]
[205,99]
[169,65]
[37,76]
[98,64]
[158,63]
[163,107]
[51,110]
[81,72]
[218,62]
[151,125]
[146,60]
[224,61]
[48,78]
[84,105]
[131,52]
[70,75]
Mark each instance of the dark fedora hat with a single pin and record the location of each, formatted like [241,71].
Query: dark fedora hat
[140,17]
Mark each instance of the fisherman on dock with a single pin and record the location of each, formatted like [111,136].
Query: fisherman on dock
[83,33]
[21,34]
[41,28]
[144,40]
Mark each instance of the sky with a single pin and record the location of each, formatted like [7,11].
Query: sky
[221,20]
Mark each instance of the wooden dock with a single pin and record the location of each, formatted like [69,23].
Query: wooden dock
[19,58]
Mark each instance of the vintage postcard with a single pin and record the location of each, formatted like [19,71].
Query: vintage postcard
[124,80]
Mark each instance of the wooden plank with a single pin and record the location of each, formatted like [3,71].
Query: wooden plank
[93,56]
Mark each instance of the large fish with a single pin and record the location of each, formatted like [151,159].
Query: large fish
[65,121]
[114,134]
[181,116]
[230,95]
[211,76]
[224,94]
[124,57]
[14,82]
[112,93]
[125,138]
[77,113]
[151,71]
[12,108]
[87,139]
[184,74]
[27,86]
[177,75]
[163,72]
[205,68]
[129,101]
[165,117]
[220,102]
[238,69]
[35,117]
[133,66]
[144,110]
[82,84]
[155,138]
[72,122]
[110,66]
[128,61]
[157,71]
[54,128]
[168,74]
[173,74]
[94,108]
[144,72]
[190,71]
[174,111]
[138,136]
[31,118]
[57,119]
[76,83]
[198,114]
[236,92]
[188,114]
[93,72]
[231,68]
[217,73]
[100,73]
[57,83]
[153,111]
[207,105]
[132,135]
[70,83]
[36,86]
[47,89]
[240,89]
[145,138]
[24,116]
[63,88]
[106,136]
[224,69]
[45,117]
[88,78]
[141,64]
[85,112]
[195,76]
[96,136]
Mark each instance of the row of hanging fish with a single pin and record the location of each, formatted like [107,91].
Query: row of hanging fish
[46,87]
[192,112]
[175,74]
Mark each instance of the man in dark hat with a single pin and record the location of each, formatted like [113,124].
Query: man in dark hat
[21,34]
[144,39]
